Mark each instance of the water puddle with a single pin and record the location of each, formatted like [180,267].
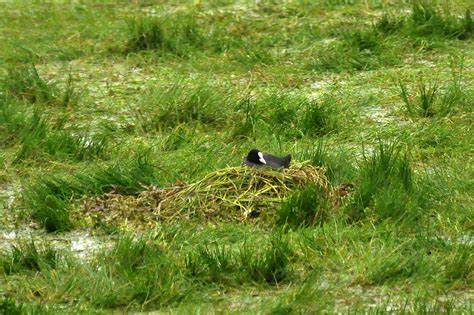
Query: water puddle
[379,114]
[7,197]
[391,300]
[83,244]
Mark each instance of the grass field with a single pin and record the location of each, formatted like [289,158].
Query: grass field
[123,125]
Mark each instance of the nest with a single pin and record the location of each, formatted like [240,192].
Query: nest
[233,193]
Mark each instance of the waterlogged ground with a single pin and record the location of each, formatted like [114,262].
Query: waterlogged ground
[81,243]
[123,127]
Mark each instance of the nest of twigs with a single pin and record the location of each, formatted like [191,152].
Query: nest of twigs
[233,193]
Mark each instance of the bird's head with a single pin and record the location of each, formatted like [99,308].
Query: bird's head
[256,156]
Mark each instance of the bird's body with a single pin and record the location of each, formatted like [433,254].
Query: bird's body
[256,158]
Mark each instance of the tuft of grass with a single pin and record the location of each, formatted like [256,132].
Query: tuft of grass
[297,115]
[380,44]
[167,108]
[49,197]
[248,119]
[179,137]
[425,102]
[272,265]
[319,118]
[212,263]
[285,109]
[176,35]
[130,253]
[306,207]
[268,263]
[337,163]
[37,140]
[32,133]
[400,265]
[206,106]
[12,120]
[367,41]
[9,305]
[359,50]
[302,299]
[459,265]
[145,33]
[24,82]
[64,145]
[250,56]
[385,187]
[445,262]
[70,95]
[432,100]
[389,24]
[28,256]
[284,114]
[136,273]
[427,21]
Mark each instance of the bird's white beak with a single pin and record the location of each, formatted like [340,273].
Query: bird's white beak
[260,158]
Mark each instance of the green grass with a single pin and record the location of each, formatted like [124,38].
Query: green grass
[307,207]
[380,44]
[164,109]
[24,82]
[40,141]
[107,108]
[434,101]
[25,126]
[428,22]
[267,264]
[175,34]
[338,163]
[147,276]
[50,196]
[385,187]
[356,50]
[27,256]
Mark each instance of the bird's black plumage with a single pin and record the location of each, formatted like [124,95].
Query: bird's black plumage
[256,158]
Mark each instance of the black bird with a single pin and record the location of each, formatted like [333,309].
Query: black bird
[256,158]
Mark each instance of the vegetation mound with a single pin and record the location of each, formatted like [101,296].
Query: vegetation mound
[233,193]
